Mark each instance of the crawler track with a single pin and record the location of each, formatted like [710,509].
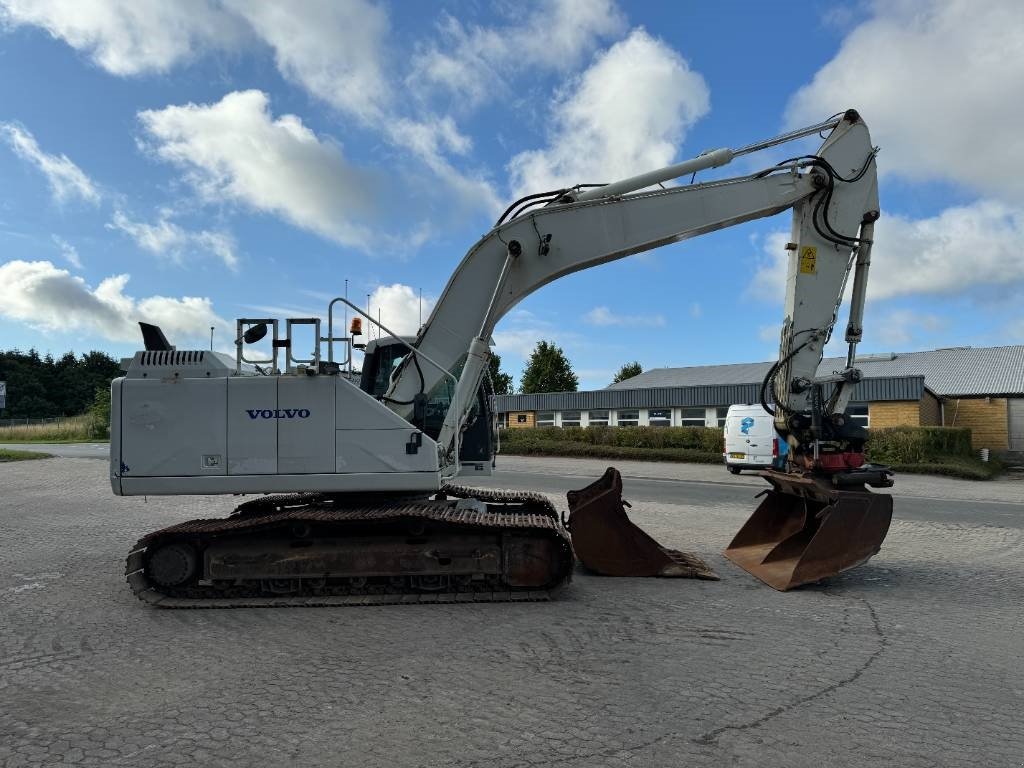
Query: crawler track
[463,545]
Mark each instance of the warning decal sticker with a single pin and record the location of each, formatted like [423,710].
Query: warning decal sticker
[808,260]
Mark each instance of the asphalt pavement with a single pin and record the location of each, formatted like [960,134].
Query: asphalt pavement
[913,659]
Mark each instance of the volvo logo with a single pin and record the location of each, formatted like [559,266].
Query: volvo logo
[281,413]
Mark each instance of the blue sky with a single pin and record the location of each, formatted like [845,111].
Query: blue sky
[188,163]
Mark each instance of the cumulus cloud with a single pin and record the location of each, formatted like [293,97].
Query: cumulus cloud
[518,333]
[962,249]
[338,52]
[474,63]
[129,37]
[399,308]
[604,317]
[335,50]
[166,238]
[66,179]
[935,81]
[236,150]
[903,327]
[44,296]
[68,251]
[624,115]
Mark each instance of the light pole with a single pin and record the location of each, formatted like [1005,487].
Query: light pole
[211,338]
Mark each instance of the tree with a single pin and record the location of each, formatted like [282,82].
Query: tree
[628,371]
[502,381]
[39,387]
[548,371]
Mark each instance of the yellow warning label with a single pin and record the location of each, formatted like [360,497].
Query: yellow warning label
[808,260]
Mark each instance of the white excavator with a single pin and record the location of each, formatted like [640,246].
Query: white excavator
[354,481]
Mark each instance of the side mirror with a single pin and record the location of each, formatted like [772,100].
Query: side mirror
[255,333]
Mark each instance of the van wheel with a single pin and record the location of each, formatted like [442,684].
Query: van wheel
[734,470]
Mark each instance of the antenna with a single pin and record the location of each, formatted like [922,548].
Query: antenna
[421,306]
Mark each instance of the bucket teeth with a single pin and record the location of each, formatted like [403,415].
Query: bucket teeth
[805,531]
[608,543]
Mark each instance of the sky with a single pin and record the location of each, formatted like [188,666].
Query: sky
[189,163]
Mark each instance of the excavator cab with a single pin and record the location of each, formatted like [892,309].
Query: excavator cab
[381,358]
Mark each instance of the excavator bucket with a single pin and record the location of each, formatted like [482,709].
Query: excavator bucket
[805,530]
[606,542]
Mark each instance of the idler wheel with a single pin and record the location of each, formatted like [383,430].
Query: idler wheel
[172,565]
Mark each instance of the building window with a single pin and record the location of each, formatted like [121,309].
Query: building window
[521,418]
[720,414]
[627,418]
[598,418]
[660,418]
[691,417]
[546,419]
[858,414]
[502,420]
[570,418]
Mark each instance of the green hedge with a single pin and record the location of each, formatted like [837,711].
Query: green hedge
[588,450]
[918,445]
[701,439]
[927,450]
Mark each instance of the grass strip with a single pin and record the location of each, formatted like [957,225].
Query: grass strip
[9,455]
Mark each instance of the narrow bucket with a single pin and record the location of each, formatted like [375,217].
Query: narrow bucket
[804,531]
[607,542]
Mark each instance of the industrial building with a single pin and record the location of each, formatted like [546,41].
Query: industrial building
[977,387]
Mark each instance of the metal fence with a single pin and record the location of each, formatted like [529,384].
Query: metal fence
[58,420]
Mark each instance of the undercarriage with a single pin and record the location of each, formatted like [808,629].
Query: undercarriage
[460,545]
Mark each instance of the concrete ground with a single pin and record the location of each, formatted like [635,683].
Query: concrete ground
[912,660]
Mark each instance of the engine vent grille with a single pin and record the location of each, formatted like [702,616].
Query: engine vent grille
[191,357]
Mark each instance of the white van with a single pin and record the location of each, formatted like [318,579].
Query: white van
[751,441]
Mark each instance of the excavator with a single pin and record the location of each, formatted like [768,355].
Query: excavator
[354,481]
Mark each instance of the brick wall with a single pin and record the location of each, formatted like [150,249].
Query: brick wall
[897,413]
[986,417]
[514,423]
[931,414]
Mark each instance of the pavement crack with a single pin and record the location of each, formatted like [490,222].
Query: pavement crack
[711,737]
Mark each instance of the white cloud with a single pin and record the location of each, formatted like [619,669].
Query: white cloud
[696,310]
[518,333]
[43,296]
[934,80]
[475,63]
[961,249]
[399,307]
[770,333]
[236,150]
[339,53]
[66,179]
[129,37]
[165,238]
[68,251]
[903,327]
[335,50]
[624,115]
[604,317]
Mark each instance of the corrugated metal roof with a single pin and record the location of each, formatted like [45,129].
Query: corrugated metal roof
[947,372]
[868,390]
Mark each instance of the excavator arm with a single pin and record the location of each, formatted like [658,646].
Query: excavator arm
[834,197]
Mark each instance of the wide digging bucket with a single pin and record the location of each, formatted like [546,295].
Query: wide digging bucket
[805,531]
[606,542]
